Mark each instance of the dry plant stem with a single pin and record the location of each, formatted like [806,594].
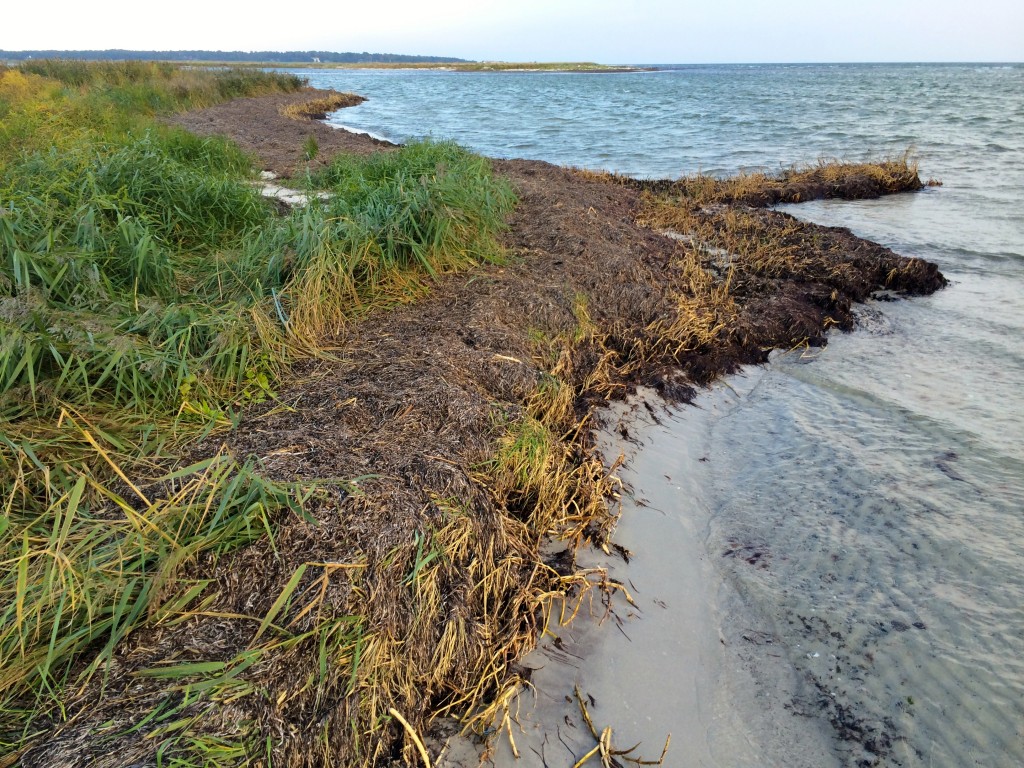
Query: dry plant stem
[604,747]
[585,713]
[511,740]
[412,735]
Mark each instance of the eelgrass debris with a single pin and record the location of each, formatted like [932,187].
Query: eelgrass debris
[279,483]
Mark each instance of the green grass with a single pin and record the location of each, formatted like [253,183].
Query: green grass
[151,87]
[147,293]
[429,206]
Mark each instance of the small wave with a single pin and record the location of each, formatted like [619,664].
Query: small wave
[970,253]
[350,129]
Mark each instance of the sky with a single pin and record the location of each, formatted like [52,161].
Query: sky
[606,31]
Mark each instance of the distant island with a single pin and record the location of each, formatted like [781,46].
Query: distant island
[291,57]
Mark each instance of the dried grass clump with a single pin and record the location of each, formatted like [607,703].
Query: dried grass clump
[731,238]
[826,180]
[319,108]
[752,246]
[815,272]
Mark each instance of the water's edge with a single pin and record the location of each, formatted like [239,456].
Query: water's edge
[688,658]
[860,511]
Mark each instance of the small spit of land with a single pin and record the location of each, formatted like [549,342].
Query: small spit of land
[276,481]
[490,66]
[281,129]
[584,67]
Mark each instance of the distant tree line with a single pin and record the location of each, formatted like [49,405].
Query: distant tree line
[117,54]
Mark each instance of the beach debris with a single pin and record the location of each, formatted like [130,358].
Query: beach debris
[604,748]
[288,196]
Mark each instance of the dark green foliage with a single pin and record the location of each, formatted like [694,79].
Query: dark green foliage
[426,201]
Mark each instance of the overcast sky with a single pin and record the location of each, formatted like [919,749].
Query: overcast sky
[607,31]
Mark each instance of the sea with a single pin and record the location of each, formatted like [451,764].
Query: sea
[858,510]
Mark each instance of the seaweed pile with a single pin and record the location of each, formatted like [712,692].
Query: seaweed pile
[444,439]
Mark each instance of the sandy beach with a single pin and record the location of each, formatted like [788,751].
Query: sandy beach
[685,659]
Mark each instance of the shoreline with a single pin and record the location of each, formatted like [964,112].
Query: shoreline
[682,660]
[590,306]
[467,67]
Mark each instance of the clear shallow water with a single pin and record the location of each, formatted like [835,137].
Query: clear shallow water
[890,541]
[883,480]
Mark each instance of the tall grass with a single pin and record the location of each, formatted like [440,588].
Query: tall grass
[63,103]
[394,217]
[146,292]
[153,86]
[94,305]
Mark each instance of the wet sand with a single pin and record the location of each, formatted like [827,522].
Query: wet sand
[688,658]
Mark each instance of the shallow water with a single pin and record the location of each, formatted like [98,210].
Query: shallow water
[878,485]
[889,541]
[685,656]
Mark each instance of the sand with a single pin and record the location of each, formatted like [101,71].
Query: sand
[688,658]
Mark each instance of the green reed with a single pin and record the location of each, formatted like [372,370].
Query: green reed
[147,293]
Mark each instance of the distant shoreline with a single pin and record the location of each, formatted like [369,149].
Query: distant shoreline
[318,60]
[476,66]
[482,66]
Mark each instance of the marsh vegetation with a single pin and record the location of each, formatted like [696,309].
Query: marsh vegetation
[147,294]
[276,483]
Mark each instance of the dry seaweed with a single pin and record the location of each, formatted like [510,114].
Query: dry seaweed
[317,108]
[409,594]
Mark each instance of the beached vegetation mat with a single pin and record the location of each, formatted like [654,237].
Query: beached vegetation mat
[300,488]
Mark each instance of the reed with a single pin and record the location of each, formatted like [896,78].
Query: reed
[149,87]
[147,292]
[394,219]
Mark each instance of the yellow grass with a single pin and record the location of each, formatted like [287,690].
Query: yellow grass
[317,108]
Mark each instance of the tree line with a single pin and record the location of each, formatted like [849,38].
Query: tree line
[118,54]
